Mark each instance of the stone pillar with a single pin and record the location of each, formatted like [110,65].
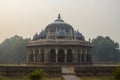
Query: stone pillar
[56,55]
[34,55]
[85,56]
[46,52]
[45,56]
[90,57]
[65,55]
[39,56]
[81,55]
[28,56]
[74,57]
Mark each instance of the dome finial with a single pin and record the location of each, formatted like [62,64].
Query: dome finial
[59,16]
[59,19]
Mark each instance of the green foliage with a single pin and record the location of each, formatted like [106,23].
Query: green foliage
[97,78]
[13,50]
[37,74]
[4,78]
[116,74]
[105,50]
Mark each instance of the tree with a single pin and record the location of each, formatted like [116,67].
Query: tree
[13,50]
[105,50]
[37,74]
[116,74]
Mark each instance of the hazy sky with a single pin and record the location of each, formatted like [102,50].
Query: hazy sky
[91,17]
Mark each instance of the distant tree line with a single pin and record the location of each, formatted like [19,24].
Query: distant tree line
[105,50]
[13,50]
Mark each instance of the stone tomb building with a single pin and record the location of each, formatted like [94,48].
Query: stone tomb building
[59,44]
[55,47]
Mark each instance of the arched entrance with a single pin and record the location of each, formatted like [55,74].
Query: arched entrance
[36,55]
[88,58]
[61,56]
[82,57]
[69,56]
[31,57]
[52,56]
[42,55]
[79,57]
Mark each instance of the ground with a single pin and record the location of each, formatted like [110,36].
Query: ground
[97,78]
[82,78]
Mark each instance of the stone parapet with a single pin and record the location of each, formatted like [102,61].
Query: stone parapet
[59,42]
[95,70]
[24,70]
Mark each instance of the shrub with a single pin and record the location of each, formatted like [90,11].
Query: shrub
[116,74]
[37,74]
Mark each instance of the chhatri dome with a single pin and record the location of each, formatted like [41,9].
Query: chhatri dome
[59,44]
[59,30]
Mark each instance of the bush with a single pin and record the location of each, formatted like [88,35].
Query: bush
[116,74]
[37,74]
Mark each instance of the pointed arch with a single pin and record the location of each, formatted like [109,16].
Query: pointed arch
[87,57]
[69,56]
[42,53]
[31,59]
[36,55]
[83,56]
[52,55]
[79,56]
[61,56]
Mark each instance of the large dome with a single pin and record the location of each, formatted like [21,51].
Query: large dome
[59,30]
[59,24]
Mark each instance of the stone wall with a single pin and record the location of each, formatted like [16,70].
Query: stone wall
[55,71]
[95,70]
[24,70]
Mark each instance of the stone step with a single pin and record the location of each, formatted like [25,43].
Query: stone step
[68,74]
[70,77]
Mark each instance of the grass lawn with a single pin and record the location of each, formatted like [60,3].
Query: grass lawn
[97,78]
[13,78]
[82,78]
